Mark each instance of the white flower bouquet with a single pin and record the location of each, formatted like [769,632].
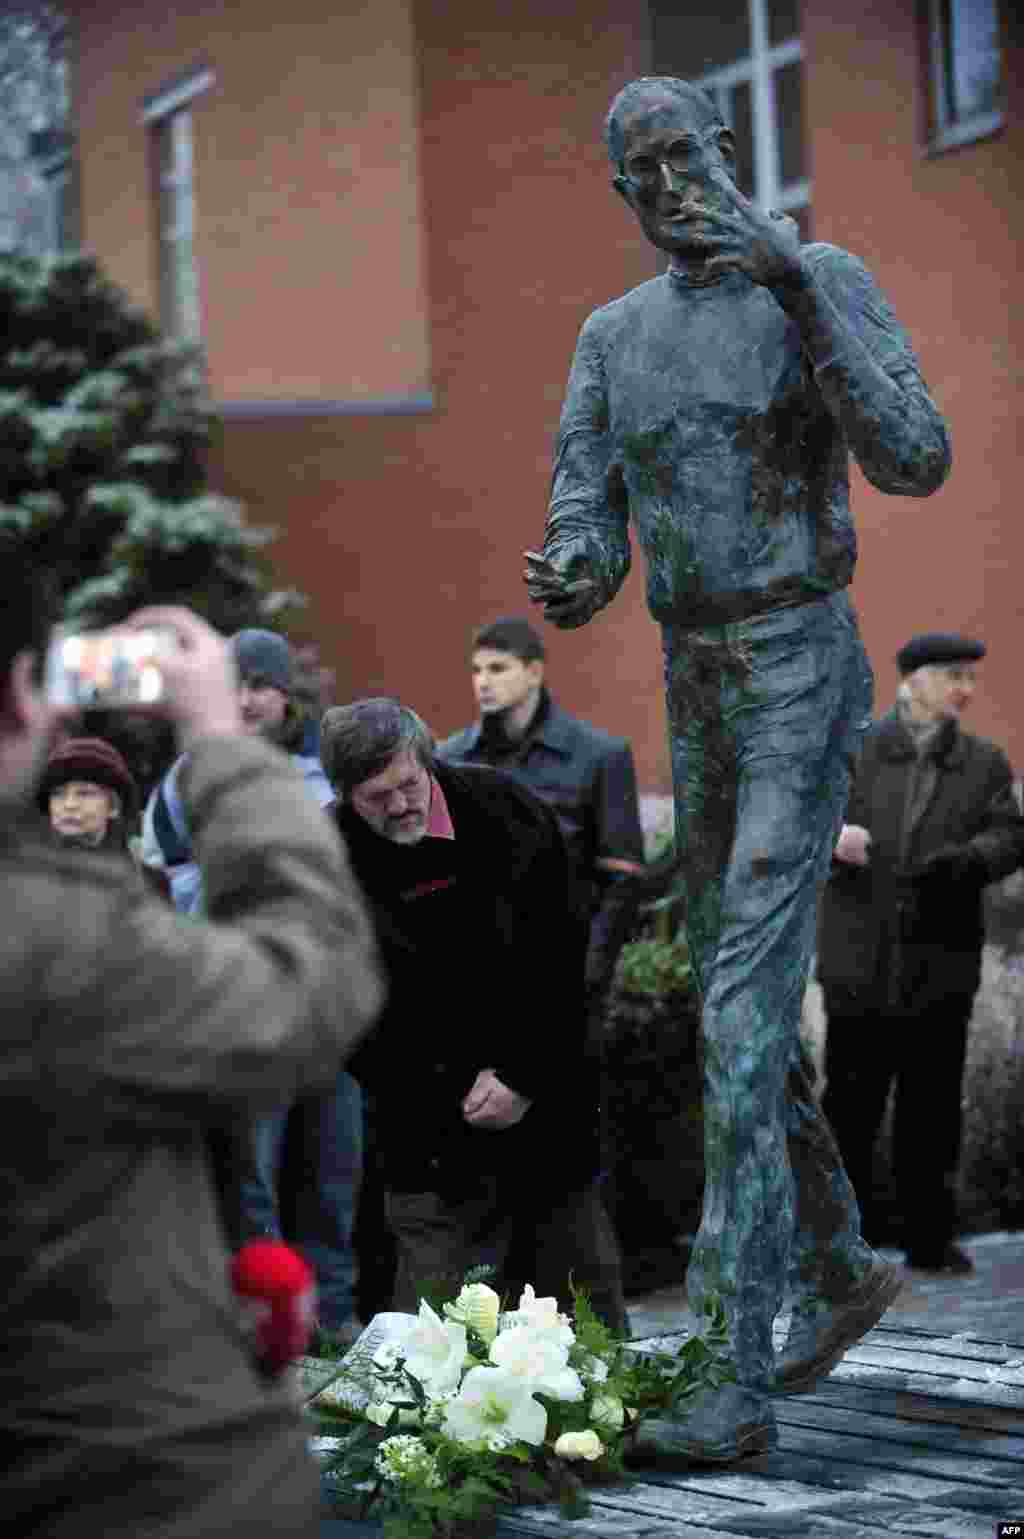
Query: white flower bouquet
[435,1421]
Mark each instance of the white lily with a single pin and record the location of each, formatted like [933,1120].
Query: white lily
[493,1401]
[536,1357]
[540,1315]
[435,1351]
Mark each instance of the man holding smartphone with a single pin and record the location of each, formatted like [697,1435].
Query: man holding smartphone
[129,1398]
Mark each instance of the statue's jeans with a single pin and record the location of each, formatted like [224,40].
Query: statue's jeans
[765,715]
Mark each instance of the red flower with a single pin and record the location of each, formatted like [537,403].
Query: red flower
[280,1293]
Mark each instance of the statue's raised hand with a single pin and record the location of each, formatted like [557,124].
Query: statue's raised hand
[765,246]
[567,604]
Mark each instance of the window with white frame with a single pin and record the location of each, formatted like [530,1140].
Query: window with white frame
[748,54]
[168,116]
[966,71]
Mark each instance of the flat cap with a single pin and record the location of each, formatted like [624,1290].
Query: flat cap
[938,647]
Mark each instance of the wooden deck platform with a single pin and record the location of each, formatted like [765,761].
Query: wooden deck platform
[915,1433]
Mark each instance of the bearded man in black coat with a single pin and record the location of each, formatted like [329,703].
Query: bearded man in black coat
[932,819]
[484,1101]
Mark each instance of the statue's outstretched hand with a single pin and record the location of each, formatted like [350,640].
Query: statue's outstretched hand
[566,604]
[765,246]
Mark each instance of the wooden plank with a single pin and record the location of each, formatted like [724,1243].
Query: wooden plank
[1008,1505]
[859,1451]
[964,1344]
[919,1357]
[767,1491]
[855,1520]
[825,1467]
[796,1481]
[696,1504]
[879,1376]
[606,1524]
[903,1431]
[898,1402]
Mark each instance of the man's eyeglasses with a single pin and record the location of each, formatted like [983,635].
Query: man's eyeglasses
[643,171]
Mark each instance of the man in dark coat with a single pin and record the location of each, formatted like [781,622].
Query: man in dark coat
[485,1105]
[130,1400]
[586,776]
[932,819]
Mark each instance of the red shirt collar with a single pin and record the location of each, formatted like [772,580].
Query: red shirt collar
[439,819]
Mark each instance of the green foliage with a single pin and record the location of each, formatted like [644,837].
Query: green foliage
[657,967]
[104,428]
[592,1335]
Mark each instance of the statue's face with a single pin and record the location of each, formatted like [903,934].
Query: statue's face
[670,149]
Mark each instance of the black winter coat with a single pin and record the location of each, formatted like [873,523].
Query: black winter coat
[485,969]
[886,942]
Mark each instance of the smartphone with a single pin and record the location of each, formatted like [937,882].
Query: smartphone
[107,668]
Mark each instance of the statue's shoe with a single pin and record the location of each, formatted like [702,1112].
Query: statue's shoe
[818,1340]
[717,1427]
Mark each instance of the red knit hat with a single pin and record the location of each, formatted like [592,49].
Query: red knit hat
[92,759]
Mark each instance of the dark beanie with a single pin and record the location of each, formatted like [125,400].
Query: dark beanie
[938,647]
[264,654]
[92,759]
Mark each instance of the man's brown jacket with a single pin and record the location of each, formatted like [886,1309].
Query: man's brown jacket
[128,1401]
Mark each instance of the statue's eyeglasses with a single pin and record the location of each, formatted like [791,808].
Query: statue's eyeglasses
[643,171]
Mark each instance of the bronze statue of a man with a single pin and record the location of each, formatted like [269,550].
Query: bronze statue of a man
[716,406]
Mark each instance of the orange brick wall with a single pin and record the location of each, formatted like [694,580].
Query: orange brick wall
[943,236]
[407,532]
[307,184]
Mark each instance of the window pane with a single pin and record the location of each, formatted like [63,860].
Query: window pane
[789,115]
[783,20]
[974,64]
[741,117]
[693,39]
[179,279]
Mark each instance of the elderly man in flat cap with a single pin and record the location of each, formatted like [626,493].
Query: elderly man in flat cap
[932,819]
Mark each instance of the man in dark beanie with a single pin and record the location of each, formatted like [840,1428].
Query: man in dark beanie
[932,819]
[88,793]
[270,710]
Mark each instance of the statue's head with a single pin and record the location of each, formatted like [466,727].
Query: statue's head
[667,142]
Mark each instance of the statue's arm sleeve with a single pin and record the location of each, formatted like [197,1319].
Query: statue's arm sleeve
[587,533]
[868,375]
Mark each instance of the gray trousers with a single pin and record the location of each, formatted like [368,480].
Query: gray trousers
[765,715]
